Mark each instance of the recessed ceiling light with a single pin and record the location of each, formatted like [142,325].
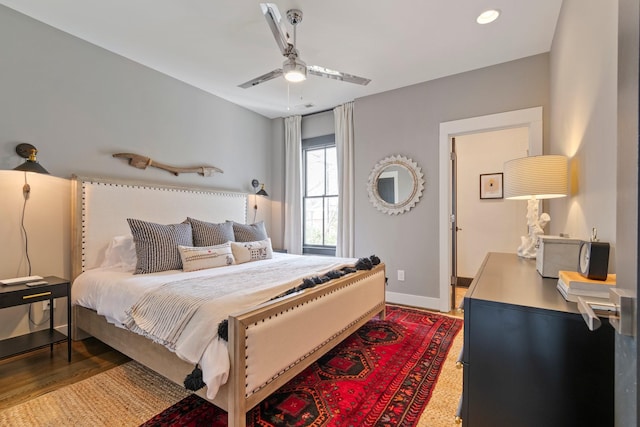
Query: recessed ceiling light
[488,16]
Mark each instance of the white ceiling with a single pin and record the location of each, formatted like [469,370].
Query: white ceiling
[216,45]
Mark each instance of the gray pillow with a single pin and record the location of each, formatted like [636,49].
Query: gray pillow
[210,234]
[249,232]
[157,245]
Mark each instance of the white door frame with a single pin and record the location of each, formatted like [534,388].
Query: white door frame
[530,118]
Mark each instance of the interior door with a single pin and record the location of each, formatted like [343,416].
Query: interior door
[454,223]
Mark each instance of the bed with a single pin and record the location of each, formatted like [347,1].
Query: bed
[267,343]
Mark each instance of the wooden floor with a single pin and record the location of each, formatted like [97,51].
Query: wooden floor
[39,372]
[33,374]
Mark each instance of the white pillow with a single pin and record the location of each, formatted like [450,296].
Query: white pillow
[201,257]
[121,253]
[252,251]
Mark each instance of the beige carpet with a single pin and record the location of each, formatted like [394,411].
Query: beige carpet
[443,405]
[130,394]
[127,395]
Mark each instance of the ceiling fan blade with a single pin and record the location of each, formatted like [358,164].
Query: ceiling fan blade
[263,78]
[272,15]
[336,75]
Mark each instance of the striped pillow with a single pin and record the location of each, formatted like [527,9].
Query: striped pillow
[157,245]
[201,257]
[249,232]
[210,234]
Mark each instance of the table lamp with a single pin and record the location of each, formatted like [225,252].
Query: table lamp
[534,178]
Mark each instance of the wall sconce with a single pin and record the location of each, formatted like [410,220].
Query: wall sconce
[261,192]
[255,184]
[28,152]
[534,178]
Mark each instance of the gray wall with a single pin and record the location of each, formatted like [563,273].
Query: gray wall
[594,120]
[78,104]
[406,121]
[583,70]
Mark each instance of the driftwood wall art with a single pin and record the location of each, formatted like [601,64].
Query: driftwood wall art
[141,162]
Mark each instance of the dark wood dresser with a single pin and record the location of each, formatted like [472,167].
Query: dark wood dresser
[528,358]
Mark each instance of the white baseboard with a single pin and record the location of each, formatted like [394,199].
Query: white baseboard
[414,301]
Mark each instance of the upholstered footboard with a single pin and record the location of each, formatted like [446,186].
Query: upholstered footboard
[273,343]
[268,345]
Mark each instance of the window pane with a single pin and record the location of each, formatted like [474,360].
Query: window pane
[315,172]
[331,221]
[313,220]
[332,171]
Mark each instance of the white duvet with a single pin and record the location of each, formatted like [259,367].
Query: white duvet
[112,293]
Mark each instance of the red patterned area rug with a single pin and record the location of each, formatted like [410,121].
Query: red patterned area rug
[382,375]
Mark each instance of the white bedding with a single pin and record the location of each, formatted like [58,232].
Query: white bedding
[112,292]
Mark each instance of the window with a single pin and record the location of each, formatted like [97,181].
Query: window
[320,199]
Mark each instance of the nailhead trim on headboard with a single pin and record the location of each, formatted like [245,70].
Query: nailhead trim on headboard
[213,197]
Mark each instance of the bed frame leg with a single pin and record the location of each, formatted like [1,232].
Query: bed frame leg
[236,418]
[237,405]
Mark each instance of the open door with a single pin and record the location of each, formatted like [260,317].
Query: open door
[454,224]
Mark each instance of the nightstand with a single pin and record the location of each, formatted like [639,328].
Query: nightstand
[11,296]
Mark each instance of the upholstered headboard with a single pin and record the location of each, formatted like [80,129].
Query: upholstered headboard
[102,206]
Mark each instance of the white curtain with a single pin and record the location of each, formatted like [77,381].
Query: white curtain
[343,117]
[293,185]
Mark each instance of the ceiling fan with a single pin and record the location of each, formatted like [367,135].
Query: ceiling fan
[294,69]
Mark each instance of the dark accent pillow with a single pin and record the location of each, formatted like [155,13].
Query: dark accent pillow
[210,234]
[249,232]
[157,245]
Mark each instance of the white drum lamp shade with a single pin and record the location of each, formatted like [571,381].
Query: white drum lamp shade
[540,177]
[533,178]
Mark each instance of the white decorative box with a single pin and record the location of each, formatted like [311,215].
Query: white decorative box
[556,253]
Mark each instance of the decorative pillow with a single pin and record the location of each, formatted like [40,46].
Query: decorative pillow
[210,234]
[201,257]
[121,253]
[251,251]
[157,245]
[249,232]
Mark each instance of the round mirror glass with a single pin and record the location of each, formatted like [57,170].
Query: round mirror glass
[395,185]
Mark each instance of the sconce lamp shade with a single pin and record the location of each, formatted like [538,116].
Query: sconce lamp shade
[28,152]
[255,183]
[540,177]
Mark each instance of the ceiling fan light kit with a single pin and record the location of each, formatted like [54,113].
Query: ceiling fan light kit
[294,69]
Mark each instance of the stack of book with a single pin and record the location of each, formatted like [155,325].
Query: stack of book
[572,285]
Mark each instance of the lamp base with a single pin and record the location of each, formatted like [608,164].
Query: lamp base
[527,248]
[529,244]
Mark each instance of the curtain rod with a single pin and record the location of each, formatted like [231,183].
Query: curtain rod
[318,112]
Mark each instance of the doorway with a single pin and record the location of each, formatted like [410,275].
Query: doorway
[486,224]
[530,118]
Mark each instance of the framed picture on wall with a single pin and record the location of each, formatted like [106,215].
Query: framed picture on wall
[491,186]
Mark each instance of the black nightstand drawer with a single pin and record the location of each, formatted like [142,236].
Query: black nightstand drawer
[27,295]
